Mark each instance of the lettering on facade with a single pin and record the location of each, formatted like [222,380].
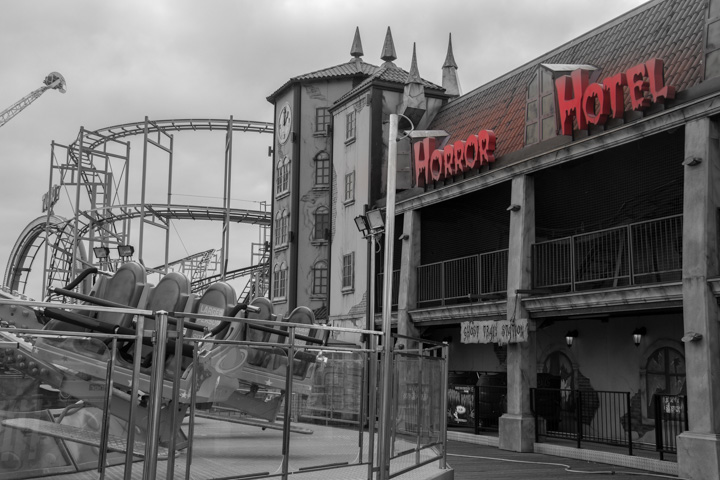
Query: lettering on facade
[433,164]
[593,104]
[502,332]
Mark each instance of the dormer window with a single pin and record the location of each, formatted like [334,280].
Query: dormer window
[540,120]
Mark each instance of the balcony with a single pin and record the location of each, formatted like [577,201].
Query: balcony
[635,254]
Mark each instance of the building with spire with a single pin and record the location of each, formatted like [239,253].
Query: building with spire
[557,227]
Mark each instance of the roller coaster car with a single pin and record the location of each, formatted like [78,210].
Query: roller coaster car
[224,375]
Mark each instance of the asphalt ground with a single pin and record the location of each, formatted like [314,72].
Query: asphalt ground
[471,462]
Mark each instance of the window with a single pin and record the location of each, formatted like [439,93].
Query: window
[280,281]
[540,122]
[665,374]
[322,224]
[282,177]
[348,271]
[322,120]
[320,279]
[282,223]
[350,126]
[350,187]
[322,169]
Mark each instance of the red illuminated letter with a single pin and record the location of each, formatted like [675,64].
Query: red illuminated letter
[459,156]
[471,151]
[569,95]
[449,155]
[656,79]
[486,142]
[638,86]
[614,86]
[437,165]
[593,91]
[423,149]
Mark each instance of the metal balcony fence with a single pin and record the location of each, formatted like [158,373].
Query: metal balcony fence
[460,279]
[671,419]
[634,254]
[583,415]
[606,418]
[395,290]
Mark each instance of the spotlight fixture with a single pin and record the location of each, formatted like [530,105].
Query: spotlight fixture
[570,337]
[101,252]
[513,208]
[638,334]
[692,161]
[125,251]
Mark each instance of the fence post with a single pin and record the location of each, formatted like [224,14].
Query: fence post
[629,422]
[533,393]
[476,407]
[658,427]
[578,412]
[156,386]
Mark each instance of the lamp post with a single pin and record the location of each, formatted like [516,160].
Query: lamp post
[371,226]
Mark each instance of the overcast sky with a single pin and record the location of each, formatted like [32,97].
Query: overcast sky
[127,59]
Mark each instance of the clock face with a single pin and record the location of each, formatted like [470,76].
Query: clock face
[284,122]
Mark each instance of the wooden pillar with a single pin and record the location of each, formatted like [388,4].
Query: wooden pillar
[517,427]
[699,448]
[410,261]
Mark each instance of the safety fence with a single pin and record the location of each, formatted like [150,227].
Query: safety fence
[606,417]
[213,407]
[462,280]
[634,254]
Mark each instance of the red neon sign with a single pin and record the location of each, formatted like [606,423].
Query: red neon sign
[578,100]
[434,164]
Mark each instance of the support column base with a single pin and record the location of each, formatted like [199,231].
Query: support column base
[698,455]
[517,433]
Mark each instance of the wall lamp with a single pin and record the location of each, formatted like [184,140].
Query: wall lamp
[101,252]
[638,334]
[692,161]
[570,337]
[513,208]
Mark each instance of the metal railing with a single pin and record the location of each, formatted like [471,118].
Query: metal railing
[638,253]
[460,279]
[583,415]
[671,419]
[95,367]
[395,290]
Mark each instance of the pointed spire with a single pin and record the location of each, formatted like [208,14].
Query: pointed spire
[450,81]
[388,51]
[450,58]
[414,103]
[356,50]
[414,75]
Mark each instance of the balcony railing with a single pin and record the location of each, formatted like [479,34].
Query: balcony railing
[458,280]
[639,253]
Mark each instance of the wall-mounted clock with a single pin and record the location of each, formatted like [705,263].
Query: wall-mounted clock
[284,123]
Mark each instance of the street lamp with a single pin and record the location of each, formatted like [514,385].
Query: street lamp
[371,226]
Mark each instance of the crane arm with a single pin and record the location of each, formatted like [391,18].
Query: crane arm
[54,81]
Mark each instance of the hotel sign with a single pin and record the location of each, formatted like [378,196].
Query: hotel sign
[502,332]
[433,164]
[593,103]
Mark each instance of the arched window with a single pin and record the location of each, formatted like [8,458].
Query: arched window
[322,224]
[320,278]
[322,169]
[664,374]
[280,281]
[282,222]
[282,176]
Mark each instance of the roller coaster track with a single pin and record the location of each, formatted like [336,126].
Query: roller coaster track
[27,245]
[104,214]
